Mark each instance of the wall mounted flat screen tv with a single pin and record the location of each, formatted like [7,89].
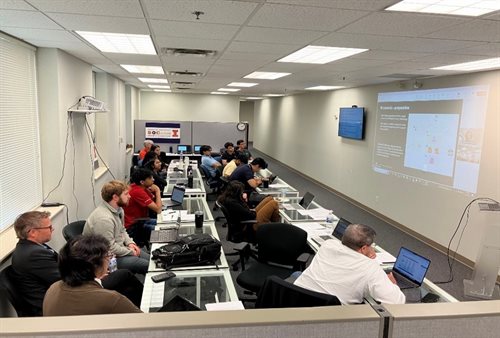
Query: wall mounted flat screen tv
[352,123]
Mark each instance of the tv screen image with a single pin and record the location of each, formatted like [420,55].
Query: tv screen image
[351,123]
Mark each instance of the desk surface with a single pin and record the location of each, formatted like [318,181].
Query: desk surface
[198,286]
[191,205]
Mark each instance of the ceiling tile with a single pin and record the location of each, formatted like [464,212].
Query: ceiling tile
[366,5]
[123,8]
[216,11]
[477,30]
[42,34]
[25,19]
[401,24]
[388,55]
[197,30]
[175,42]
[106,24]
[489,49]
[134,59]
[262,48]
[15,4]
[278,35]
[297,17]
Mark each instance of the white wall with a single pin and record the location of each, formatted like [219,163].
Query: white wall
[301,121]
[188,107]
[246,114]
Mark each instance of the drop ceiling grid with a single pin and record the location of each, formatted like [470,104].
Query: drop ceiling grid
[25,19]
[116,8]
[366,5]
[278,35]
[477,30]
[197,30]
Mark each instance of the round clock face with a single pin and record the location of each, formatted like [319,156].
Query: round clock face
[241,126]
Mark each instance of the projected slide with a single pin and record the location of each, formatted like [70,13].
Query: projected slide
[432,136]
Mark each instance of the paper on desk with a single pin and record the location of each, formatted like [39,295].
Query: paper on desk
[385,257]
[316,214]
[287,206]
[225,306]
[278,185]
[171,216]
[313,229]
[193,190]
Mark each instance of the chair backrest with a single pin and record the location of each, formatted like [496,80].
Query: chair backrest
[236,232]
[280,243]
[212,182]
[8,284]
[73,229]
[277,293]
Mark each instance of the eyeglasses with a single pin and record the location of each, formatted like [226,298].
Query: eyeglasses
[40,228]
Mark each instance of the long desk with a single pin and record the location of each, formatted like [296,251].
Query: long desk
[191,205]
[278,188]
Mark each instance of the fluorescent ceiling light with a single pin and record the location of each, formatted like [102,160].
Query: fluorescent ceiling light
[252,98]
[152,80]
[474,65]
[274,95]
[143,69]
[228,90]
[324,87]
[159,86]
[120,43]
[162,90]
[266,75]
[321,54]
[242,84]
[219,93]
[451,7]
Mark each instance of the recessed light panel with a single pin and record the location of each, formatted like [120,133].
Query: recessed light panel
[143,69]
[219,93]
[266,75]
[450,7]
[228,90]
[252,98]
[472,66]
[152,80]
[242,84]
[120,43]
[321,54]
[159,86]
[162,90]
[324,87]
[274,95]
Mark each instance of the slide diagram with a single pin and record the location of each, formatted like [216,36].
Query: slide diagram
[431,141]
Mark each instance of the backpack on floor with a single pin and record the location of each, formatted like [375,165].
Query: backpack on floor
[196,249]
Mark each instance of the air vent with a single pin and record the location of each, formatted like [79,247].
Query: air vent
[184,73]
[187,52]
[182,83]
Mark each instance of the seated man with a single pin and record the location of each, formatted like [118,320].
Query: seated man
[231,166]
[35,267]
[229,154]
[241,148]
[144,196]
[214,167]
[246,174]
[107,220]
[146,149]
[349,270]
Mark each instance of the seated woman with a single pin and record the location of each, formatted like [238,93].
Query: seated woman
[155,166]
[235,201]
[83,261]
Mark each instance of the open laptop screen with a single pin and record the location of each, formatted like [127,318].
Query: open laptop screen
[178,194]
[339,230]
[306,200]
[411,266]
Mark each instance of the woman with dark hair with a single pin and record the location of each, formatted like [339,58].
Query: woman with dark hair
[155,166]
[235,201]
[83,261]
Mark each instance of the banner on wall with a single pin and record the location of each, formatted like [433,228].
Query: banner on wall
[163,132]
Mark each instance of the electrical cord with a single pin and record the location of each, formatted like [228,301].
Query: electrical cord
[465,213]
[97,150]
[74,166]
[92,183]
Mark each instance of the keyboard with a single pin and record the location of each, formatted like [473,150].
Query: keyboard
[404,283]
[163,236]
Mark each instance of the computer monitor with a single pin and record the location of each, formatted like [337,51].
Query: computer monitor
[184,148]
[197,148]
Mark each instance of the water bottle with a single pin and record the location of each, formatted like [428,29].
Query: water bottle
[113,265]
[330,218]
[283,194]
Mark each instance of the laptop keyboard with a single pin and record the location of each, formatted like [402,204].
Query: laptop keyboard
[163,236]
[404,283]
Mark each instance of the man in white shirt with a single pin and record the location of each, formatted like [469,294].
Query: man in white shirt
[349,271]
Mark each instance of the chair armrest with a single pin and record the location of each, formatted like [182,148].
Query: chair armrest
[302,261]
[241,246]
[250,221]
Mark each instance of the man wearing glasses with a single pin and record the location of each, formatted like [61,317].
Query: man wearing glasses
[35,264]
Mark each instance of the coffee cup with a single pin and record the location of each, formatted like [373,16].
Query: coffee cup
[198,219]
[265,183]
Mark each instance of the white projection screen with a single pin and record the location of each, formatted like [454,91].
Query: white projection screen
[432,137]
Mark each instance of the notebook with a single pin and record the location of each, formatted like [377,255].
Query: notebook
[177,197]
[410,268]
[339,230]
[304,202]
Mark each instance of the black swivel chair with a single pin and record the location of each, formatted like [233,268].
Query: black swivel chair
[213,183]
[73,229]
[278,293]
[9,288]
[281,250]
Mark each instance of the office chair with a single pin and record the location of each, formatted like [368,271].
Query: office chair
[213,183]
[7,283]
[72,230]
[281,250]
[278,293]
[241,233]
[139,233]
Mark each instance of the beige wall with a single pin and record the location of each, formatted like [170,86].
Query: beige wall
[246,114]
[297,122]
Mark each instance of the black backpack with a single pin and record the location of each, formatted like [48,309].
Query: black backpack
[196,249]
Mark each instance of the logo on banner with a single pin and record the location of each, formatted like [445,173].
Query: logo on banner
[162,133]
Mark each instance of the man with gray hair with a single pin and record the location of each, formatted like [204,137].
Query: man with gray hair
[349,270]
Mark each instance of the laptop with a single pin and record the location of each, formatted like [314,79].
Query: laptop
[339,230]
[410,268]
[304,202]
[165,234]
[177,197]
[272,178]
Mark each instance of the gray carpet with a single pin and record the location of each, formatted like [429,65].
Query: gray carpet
[388,237]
